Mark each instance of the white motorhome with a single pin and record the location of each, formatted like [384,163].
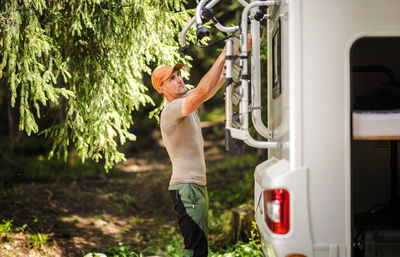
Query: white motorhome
[330,184]
[334,102]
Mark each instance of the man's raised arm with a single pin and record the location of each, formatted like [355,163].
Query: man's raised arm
[205,86]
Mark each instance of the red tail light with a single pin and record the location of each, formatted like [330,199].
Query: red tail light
[276,210]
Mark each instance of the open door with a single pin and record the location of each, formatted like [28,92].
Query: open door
[375,97]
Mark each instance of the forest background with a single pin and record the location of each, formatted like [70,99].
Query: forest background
[82,166]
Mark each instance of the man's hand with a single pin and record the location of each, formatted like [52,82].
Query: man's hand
[249,42]
[236,43]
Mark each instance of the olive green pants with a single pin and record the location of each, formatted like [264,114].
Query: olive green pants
[191,205]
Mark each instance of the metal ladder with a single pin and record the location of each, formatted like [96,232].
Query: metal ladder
[237,124]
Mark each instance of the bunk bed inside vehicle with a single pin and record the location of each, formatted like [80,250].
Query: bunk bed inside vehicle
[376,107]
[375,128]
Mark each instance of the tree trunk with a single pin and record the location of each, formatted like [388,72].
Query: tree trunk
[61,108]
[12,112]
[12,118]
[242,219]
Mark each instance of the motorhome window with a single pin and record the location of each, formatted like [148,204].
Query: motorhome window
[276,61]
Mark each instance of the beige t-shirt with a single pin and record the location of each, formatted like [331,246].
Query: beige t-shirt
[184,142]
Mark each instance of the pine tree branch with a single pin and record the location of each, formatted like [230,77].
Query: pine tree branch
[3,19]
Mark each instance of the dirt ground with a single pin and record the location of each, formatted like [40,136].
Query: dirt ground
[115,209]
[123,208]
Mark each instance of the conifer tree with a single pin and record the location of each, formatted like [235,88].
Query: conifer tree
[86,57]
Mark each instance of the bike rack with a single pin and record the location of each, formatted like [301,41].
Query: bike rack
[242,131]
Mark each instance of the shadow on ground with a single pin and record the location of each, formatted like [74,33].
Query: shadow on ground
[128,206]
[117,209]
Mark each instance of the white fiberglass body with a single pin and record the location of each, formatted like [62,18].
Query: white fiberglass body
[310,113]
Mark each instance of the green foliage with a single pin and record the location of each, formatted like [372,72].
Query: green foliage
[171,245]
[230,185]
[240,249]
[26,161]
[50,170]
[57,170]
[88,59]
[38,240]
[116,251]
[220,223]
[5,230]
[237,188]
[216,114]
[126,202]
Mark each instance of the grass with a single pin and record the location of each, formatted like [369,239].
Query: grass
[230,184]
[5,230]
[38,240]
[170,245]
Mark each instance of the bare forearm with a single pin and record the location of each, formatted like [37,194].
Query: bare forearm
[220,83]
[212,77]
[205,86]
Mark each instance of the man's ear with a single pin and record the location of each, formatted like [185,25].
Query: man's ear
[160,88]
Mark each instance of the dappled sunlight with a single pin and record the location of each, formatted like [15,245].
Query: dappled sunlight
[87,215]
[129,206]
[19,244]
[106,223]
[141,165]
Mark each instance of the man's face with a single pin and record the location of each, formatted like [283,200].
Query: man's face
[174,86]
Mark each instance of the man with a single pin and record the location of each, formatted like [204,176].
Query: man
[181,133]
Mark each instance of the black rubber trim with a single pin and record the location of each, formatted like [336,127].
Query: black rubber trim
[230,144]
[228,81]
